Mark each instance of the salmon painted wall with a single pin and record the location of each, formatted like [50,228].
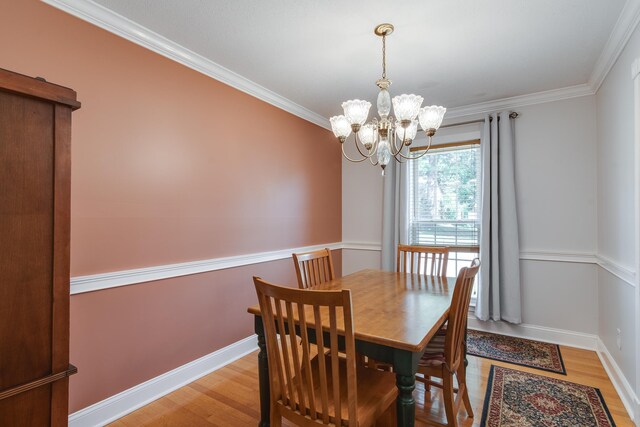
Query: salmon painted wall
[169,166]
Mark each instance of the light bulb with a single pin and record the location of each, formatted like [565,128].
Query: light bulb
[408,133]
[431,117]
[340,126]
[356,111]
[368,135]
[406,107]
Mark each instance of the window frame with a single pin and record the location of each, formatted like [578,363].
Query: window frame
[473,249]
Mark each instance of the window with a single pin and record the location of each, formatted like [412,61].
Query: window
[444,200]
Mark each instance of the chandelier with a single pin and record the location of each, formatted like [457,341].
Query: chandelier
[386,137]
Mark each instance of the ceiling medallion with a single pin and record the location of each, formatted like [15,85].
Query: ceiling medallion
[386,137]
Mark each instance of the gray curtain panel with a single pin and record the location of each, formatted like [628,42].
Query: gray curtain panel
[395,212]
[499,284]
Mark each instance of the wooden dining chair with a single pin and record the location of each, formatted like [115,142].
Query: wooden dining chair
[313,385]
[444,355]
[313,268]
[431,260]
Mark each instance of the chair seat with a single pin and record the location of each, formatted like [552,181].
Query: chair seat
[376,390]
[434,353]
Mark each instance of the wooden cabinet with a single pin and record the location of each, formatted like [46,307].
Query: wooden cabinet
[35,172]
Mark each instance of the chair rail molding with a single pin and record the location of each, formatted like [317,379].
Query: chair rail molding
[362,246]
[96,282]
[559,256]
[626,274]
[114,279]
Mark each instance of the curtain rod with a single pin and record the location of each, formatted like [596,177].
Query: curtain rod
[512,115]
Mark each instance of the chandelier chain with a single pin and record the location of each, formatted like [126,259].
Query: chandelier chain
[384,56]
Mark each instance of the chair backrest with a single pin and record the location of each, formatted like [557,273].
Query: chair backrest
[457,321]
[294,375]
[430,260]
[313,268]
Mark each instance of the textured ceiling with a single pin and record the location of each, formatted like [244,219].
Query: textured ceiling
[453,52]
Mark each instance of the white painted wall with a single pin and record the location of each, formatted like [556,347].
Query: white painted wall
[361,214]
[617,228]
[555,176]
[555,181]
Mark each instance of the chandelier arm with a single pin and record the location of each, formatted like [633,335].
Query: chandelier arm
[395,144]
[372,162]
[399,150]
[421,155]
[374,148]
[355,142]
[399,160]
[349,158]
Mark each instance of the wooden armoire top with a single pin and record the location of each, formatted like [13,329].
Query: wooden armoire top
[37,88]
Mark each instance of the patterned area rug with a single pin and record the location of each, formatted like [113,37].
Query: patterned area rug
[519,351]
[521,399]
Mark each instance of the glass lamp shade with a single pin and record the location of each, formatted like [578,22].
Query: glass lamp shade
[406,107]
[431,117]
[356,111]
[340,126]
[408,133]
[368,134]
[384,152]
[384,103]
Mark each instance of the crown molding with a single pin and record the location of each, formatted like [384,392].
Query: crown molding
[620,35]
[106,19]
[520,101]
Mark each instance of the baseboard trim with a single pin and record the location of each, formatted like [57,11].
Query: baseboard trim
[625,391]
[119,405]
[538,333]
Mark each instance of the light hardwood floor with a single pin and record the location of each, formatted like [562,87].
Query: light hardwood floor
[229,396]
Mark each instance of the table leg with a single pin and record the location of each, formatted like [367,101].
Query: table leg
[405,403]
[263,378]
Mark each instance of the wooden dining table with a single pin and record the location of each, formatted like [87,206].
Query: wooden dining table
[395,316]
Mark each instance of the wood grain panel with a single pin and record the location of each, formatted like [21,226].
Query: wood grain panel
[35,184]
[26,209]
